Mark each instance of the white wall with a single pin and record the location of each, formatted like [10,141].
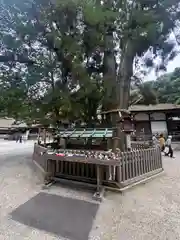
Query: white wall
[157,116]
[141,117]
[158,127]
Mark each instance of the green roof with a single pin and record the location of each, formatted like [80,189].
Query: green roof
[86,133]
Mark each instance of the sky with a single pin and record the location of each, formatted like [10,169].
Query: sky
[170,68]
[171,65]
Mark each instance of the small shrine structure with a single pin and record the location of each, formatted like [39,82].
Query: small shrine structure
[122,122]
[101,157]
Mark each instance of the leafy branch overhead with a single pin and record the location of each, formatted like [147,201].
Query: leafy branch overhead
[85,54]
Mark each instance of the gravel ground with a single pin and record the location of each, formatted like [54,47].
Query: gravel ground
[150,211]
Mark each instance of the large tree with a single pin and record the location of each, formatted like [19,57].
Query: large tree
[146,31]
[81,37]
[62,41]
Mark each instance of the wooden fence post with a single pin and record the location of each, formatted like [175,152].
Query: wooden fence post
[123,166]
[136,162]
[118,172]
[127,165]
[130,164]
[133,164]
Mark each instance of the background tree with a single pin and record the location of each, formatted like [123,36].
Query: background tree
[166,89]
[146,28]
[145,94]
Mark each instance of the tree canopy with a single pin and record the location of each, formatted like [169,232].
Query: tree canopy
[85,54]
[165,89]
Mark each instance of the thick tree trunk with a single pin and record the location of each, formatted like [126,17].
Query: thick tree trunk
[125,75]
[110,86]
[117,93]
[124,81]
[110,95]
[55,109]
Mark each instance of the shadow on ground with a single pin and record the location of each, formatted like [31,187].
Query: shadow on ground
[66,217]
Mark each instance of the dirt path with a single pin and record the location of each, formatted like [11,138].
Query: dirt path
[150,211]
[18,184]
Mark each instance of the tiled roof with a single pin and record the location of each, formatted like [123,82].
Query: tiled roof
[6,122]
[145,108]
[157,107]
[10,123]
[86,133]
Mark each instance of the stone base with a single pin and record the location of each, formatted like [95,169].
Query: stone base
[48,184]
[98,196]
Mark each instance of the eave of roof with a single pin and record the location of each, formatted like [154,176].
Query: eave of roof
[86,133]
[152,108]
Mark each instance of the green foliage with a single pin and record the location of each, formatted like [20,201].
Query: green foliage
[168,87]
[72,45]
[145,94]
[164,90]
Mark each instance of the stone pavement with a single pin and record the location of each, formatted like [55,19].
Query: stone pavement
[7,147]
[150,211]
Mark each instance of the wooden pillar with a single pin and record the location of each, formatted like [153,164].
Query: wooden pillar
[39,132]
[128,141]
[167,122]
[44,136]
[149,115]
[117,133]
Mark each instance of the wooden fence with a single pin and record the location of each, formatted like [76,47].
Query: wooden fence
[141,144]
[138,163]
[39,156]
[132,166]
